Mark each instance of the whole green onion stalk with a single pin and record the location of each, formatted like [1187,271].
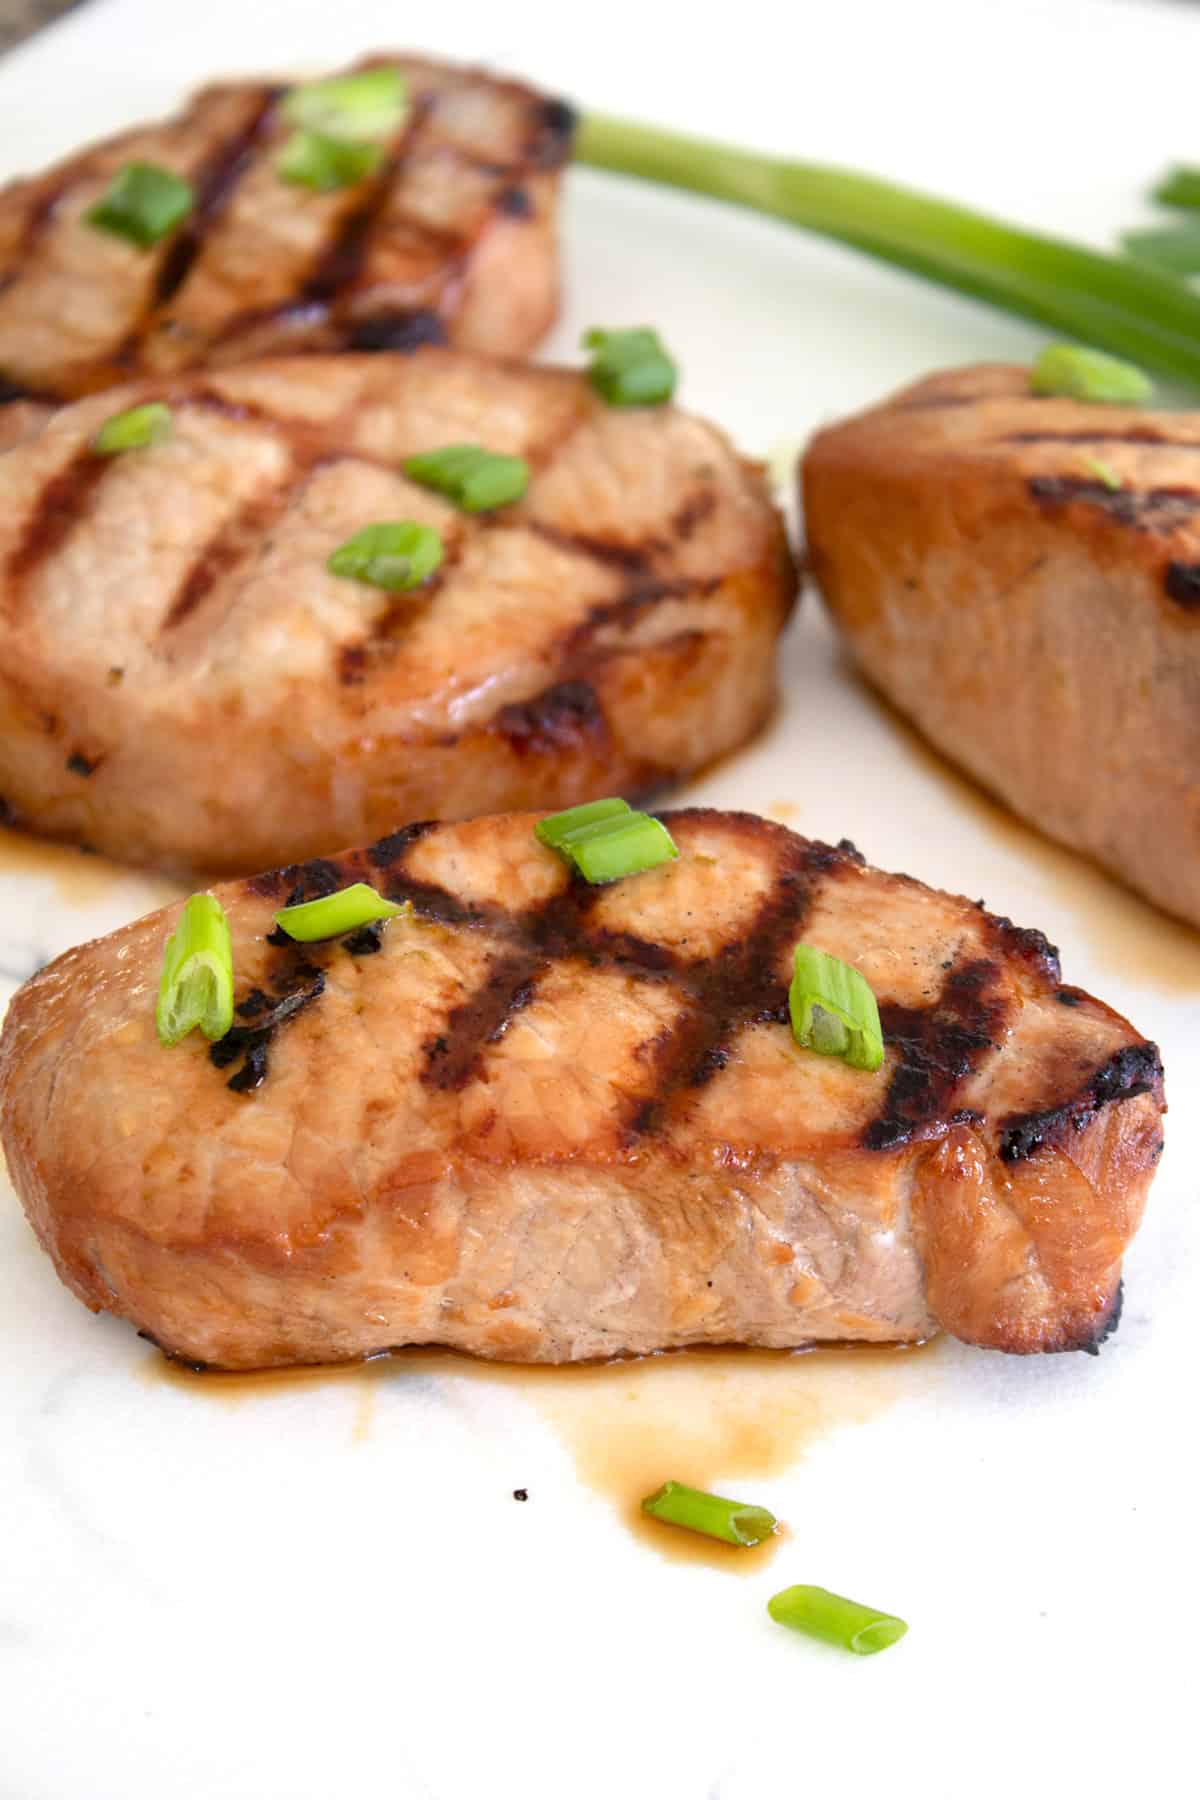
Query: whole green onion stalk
[1112,302]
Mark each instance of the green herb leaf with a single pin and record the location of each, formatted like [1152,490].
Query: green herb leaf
[1089,375]
[607,840]
[355,108]
[334,914]
[1179,187]
[818,1613]
[136,429]
[1175,248]
[833,1010]
[477,480]
[196,985]
[142,204]
[732,1521]
[395,556]
[630,368]
[325,163]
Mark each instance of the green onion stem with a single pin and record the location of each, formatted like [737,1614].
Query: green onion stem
[820,1614]
[731,1521]
[1112,302]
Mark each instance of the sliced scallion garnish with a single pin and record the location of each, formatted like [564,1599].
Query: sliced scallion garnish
[818,1613]
[833,1010]
[630,368]
[196,985]
[142,203]
[1089,375]
[1103,472]
[477,480]
[607,840]
[334,914]
[310,159]
[357,108]
[395,556]
[556,830]
[135,429]
[732,1521]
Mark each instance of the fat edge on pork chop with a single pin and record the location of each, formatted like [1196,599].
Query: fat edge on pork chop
[1021,577]
[184,683]
[452,238]
[542,1121]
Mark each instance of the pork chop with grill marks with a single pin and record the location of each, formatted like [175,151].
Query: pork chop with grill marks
[543,1121]
[184,683]
[1021,577]
[453,239]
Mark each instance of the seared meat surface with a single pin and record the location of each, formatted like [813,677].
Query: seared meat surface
[184,683]
[542,1122]
[453,239]
[1021,577]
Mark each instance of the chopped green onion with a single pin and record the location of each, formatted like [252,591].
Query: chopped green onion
[730,1520]
[1103,472]
[355,108]
[820,1614]
[833,1010]
[1111,301]
[309,159]
[475,479]
[607,839]
[133,430]
[334,914]
[142,203]
[1179,187]
[1175,248]
[196,986]
[392,556]
[555,830]
[630,368]
[1089,375]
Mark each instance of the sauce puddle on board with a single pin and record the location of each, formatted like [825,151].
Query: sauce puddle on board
[79,877]
[715,1419]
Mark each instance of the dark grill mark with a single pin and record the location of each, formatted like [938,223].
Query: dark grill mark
[215,183]
[938,1048]
[561,718]
[404,331]
[60,506]
[693,512]
[1182,582]
[1110,1324]
[1026,942]
[78,764]
[1137,1069]
[253,1041]
[1147,509]
[633,558]
[514,202]
[366,941]
[453,1058]
[553,132]
[1136,434]
[238,541]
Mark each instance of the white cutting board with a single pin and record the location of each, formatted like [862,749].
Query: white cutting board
[306,1591]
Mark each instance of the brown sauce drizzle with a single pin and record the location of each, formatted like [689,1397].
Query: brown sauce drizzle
[720,1419]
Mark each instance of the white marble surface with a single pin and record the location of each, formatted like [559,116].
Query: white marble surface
[310,1592]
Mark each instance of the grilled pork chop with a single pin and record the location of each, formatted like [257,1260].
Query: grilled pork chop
[183,682]
[453,238]
[1021,577]
[543,1121]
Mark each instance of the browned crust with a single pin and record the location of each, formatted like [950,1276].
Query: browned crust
[1020,1236]
[1021,577]
[489,285]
